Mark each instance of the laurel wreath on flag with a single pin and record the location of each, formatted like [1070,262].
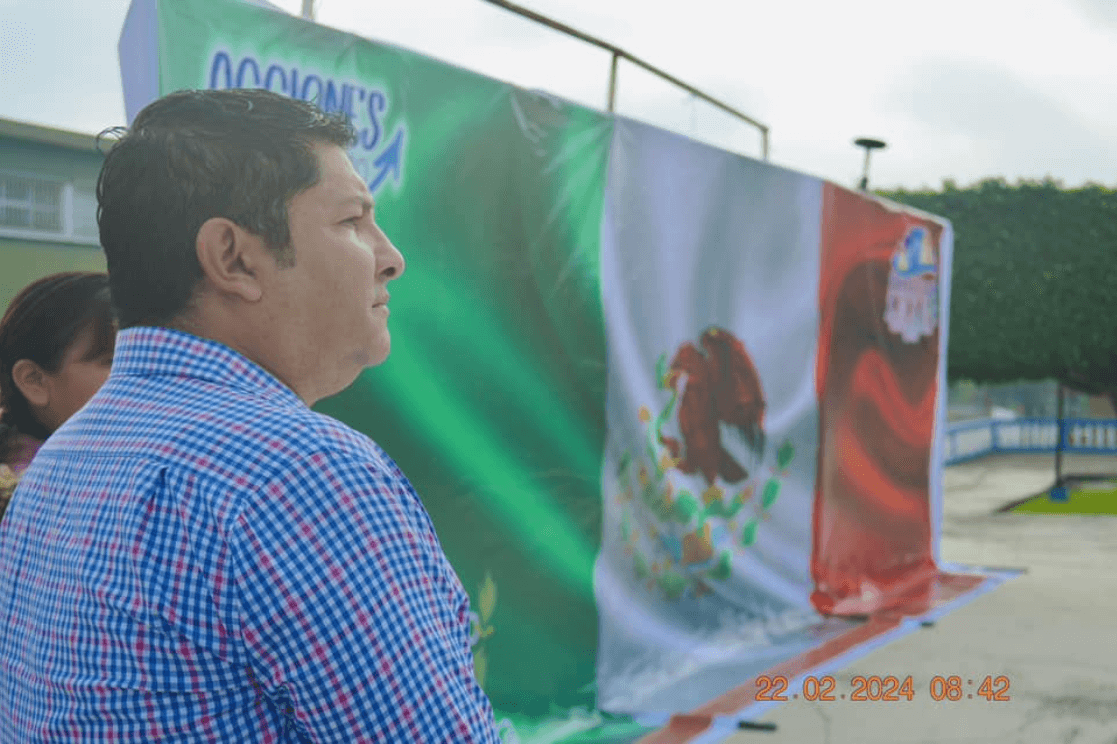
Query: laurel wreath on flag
[686,566]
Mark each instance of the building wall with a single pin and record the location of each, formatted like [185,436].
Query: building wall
[50,161]
[22,262]
[1036,399]
[29,254]
[1100,408]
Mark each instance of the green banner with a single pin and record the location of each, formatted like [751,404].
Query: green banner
[621,360]
[491,400]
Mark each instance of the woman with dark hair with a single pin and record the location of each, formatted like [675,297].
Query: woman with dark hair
[56,346]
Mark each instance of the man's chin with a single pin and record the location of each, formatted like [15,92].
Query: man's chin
[378,354]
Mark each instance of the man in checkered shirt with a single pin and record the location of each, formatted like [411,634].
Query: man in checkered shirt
[196,556]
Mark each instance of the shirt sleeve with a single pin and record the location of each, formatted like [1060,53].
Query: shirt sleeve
[356,624]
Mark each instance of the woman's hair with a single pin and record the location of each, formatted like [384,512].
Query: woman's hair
[41,324]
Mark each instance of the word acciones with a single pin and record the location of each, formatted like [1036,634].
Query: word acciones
[330,95]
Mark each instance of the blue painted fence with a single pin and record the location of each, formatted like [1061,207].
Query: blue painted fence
[968,440]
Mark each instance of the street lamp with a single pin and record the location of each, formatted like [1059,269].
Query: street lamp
[869,145]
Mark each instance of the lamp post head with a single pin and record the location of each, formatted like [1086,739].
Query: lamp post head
[869,145]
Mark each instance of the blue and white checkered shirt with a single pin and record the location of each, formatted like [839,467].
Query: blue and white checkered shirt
[196,556]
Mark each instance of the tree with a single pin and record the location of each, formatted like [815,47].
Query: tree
[1034,282]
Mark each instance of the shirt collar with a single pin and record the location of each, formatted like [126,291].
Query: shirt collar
[147,351]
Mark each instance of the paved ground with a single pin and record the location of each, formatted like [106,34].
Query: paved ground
[1052,632]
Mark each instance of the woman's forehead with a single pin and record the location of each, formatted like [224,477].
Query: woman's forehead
[91,341]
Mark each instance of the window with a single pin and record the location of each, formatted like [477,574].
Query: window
[30,204]
[33,207]
[85,215]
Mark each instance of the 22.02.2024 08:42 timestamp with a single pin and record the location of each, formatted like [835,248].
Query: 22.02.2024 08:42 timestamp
[884,689]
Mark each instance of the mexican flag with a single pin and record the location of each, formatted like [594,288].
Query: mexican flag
[676,413]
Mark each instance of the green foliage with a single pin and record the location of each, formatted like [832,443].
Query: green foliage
[723,510]
[640,564]
[622,467]
[487,606]
[480,665]
[771,492]
[785,455]
[488,598]
[748,534]
[672,584]
[661,371]
[685,507]
[1034,281]
[724,569]
[654,499]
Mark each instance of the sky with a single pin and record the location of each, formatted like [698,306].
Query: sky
[959,89]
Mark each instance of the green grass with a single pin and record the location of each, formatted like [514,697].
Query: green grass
[1091,498]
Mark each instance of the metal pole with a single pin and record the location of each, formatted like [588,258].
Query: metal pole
[1060,408]
[308,10]
[865,171]
[617,53]
[688,88]
[869,145]
[613,82]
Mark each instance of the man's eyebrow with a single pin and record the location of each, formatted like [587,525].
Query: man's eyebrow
[364,202]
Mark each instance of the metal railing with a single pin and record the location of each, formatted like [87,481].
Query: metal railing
[972,439]
[619,54]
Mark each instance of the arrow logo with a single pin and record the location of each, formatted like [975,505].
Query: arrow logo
[389,161]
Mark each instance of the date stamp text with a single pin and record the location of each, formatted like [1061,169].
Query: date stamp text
[889,689]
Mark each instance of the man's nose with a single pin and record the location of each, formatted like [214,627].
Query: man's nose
[389,261]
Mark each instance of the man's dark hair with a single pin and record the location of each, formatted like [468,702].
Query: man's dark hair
[192,156]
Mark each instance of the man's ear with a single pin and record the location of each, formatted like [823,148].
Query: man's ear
[230,258]
[31,381]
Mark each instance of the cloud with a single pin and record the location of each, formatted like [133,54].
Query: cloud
[1101,11]
[1008,125]
[17,39]
[71,78]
